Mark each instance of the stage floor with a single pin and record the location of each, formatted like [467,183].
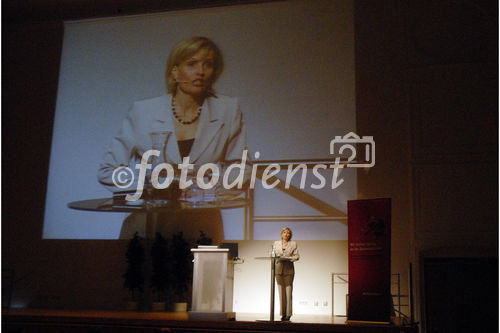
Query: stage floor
[311,319]
[298,318]
[247,317]
[178,322]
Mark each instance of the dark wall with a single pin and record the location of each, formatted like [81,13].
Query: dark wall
[30,63]
[427,90]
[45,273]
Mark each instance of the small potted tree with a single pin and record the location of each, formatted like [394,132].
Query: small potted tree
[161,274]
[182,270]
[133,276]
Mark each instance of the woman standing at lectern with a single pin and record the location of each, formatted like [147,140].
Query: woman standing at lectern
[285,272]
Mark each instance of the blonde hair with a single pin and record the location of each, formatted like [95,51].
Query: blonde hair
[286,228]
[185,49]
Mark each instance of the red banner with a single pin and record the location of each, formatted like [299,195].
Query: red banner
[369,241]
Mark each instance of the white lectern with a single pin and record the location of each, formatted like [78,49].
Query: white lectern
[213,277]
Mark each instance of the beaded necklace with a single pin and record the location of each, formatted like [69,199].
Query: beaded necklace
[179,118]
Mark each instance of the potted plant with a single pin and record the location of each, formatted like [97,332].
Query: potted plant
[161,270]
[182,270]
[133,276]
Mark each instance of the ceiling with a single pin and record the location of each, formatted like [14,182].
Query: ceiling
[16,11]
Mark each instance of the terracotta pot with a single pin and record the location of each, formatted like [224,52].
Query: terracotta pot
[180,307]
[132,306]
[158,306]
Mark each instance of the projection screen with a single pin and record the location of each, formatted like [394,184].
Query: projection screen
[289,63]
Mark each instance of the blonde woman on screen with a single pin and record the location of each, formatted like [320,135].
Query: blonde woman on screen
[205,125]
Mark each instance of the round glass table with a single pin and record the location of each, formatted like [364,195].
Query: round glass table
[108,205]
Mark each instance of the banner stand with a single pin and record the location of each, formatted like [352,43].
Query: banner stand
[369,246]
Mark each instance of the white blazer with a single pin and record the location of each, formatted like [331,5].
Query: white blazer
[221,135]
[286,267]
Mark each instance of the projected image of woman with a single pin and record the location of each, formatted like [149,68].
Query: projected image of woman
[285,271]
[206,126]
